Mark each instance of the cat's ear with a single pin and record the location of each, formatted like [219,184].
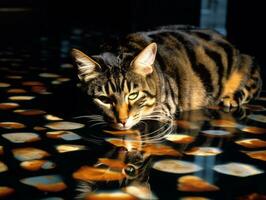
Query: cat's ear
[142,64]
[87,68]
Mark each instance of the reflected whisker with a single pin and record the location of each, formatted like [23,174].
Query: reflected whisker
[84,188]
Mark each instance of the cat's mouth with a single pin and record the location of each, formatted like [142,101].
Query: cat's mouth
[128,124]
[120,126]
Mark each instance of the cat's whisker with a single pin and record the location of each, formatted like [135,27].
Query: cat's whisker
[155,118]
[161,135]
[89,116]
[159,114]
[144,123]
[160,111]
[99,123]
[158,138]
[96,120]
[151,133]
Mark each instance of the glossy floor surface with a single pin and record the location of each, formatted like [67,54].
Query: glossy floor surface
[51,147]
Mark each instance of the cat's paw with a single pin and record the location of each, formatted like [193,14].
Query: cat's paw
[230,102]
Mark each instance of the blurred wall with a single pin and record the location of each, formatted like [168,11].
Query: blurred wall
[53,17]
[25,21]
[246,28]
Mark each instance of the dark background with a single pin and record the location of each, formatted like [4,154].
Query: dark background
[37,35]
[29,23]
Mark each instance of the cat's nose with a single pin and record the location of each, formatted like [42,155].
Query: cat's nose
[123,121]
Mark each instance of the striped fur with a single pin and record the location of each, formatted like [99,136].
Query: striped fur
[188,69]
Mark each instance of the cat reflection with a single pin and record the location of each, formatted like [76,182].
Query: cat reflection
[134,151]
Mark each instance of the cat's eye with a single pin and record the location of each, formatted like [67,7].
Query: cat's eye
[105,99]
[133,96]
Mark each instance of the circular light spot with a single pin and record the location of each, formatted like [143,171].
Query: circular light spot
[21,98]
[48,183]
[4,85]
[8,105]
[30,112]
[64,125]
[21,137]
[176,166]
[11,125]
[29,153]
[237,169]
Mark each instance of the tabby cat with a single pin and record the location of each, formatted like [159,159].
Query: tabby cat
[154,74]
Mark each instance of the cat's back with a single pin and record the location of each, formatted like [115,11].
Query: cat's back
[176,36]
[202,50]
[198,60]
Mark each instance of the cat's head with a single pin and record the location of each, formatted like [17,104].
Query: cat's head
[123,88]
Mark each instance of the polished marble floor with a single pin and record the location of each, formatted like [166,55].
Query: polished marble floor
[50,148]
